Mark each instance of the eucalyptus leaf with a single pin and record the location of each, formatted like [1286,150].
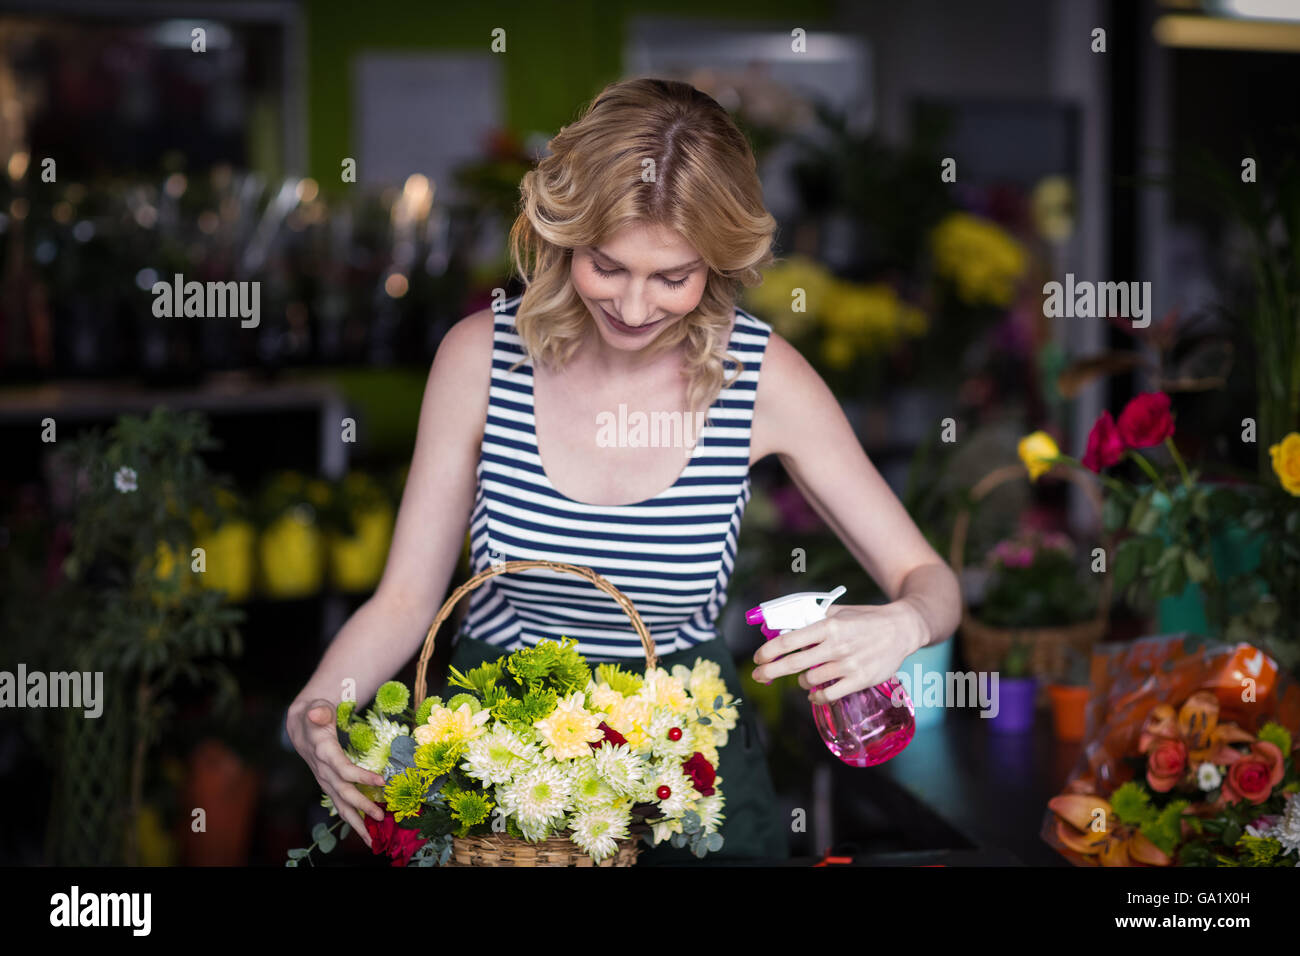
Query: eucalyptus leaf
[717,701]
[290,862]
[344,831]
[714,842]
[402,753]
[678,840]
[328,842]
[318,832]
[298,853]
[701,850]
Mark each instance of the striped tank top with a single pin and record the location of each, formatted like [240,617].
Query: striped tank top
[671,555]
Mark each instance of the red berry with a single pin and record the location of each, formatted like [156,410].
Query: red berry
[675,733]
[664,792]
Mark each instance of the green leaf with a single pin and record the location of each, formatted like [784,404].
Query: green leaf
[701,850]
[1112,514]
[1128,558]
[1195,567]
[344,831]
[318,832]
[1141,509]
[328,842]
[717,702]
[290,862]
[714,842]
[298,854]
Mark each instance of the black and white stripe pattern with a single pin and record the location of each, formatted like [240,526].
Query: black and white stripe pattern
[672,554]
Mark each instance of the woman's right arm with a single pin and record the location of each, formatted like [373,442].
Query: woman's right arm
[428,537]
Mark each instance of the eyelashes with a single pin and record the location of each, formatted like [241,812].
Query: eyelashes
[668,282]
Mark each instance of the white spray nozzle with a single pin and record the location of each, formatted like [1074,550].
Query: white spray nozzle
[794,611]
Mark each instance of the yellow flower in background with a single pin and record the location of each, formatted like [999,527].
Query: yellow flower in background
[866,319]
[1036,450]
[357,563]
[229,555]
[290,553]
[1286,462]
[1052,203]
[774,298]
[982,260]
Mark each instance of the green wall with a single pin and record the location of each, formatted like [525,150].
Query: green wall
[558,54]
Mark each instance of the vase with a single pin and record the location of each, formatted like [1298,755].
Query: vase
[1017,703]
[1235,550]
[916,668]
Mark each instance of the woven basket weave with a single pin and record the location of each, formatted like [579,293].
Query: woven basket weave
[501,849]
[985,646]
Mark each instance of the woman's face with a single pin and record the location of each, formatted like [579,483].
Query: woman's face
[637,283]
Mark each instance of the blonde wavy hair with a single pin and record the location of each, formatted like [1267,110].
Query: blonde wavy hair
[705,188]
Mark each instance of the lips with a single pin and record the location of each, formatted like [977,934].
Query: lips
[631,330]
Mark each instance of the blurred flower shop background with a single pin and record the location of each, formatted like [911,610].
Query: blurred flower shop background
[933,169]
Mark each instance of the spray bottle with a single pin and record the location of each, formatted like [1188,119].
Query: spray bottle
[864,728]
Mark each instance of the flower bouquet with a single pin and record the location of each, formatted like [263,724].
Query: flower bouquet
[541,759]
[1190,759]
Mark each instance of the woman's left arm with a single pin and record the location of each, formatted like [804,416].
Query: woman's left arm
[856,646]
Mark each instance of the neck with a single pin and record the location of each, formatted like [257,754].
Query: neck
[598,355]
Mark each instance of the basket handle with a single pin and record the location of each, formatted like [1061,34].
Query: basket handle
[1000,476]
[507,567]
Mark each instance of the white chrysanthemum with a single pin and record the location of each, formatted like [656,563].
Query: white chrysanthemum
[710,811]
[662,831]
[589,788]
[495,757]
[619,767]
[1208,776]
[1287,829]
[537,797]
[597,831]
[376,758]
[124,479]
[681,791]
[661,745]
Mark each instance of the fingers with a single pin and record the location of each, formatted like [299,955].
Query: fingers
[355,798]
[795,663]
[349,814]
[346,769]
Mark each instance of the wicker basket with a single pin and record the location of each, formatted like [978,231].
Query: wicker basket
[984,646]
[503,849]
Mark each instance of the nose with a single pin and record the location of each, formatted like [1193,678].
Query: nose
[634,311]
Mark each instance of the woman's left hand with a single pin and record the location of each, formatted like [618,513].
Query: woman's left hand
[857,646]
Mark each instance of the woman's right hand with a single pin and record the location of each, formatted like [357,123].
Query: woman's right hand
[314,734]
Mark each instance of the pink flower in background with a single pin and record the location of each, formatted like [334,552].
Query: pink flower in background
[795,513]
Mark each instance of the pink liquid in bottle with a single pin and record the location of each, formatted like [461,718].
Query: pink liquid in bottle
[864,728]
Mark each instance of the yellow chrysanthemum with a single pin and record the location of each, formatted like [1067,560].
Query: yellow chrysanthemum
[570,728]
[983,262]
[664,690]
[1286,462]
[460,725]
[630,717]
[604,697]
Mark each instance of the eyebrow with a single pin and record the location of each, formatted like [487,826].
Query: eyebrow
[686,265]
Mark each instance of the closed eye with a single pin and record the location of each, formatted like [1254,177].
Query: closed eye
[677,284]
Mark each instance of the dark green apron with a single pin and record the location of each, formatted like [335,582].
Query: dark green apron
[752,827]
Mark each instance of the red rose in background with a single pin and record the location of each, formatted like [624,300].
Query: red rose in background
[1254,776]
[1146,421]
[1166,761]
[611,735]
[1105,447]
[388,839]
[701,773]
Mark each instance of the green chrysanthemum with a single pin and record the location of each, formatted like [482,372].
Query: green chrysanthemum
[558,665]
[618,679]
[343,714]
[392,697]
[405,793]
[440,756]
[426,708]
[520,715]
[470,807]
[361,736]
[474,704]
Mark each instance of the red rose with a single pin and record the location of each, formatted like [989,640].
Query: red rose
[1254,776]
[1166,761]
[611,735]
[701,773]
[1145,421]
[1105,447]
[388,839]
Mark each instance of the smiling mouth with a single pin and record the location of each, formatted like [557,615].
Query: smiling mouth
[629,328]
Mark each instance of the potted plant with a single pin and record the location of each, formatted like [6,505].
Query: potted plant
[1017,692]
[1069,697]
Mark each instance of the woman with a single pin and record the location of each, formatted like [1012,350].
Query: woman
[634,237]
